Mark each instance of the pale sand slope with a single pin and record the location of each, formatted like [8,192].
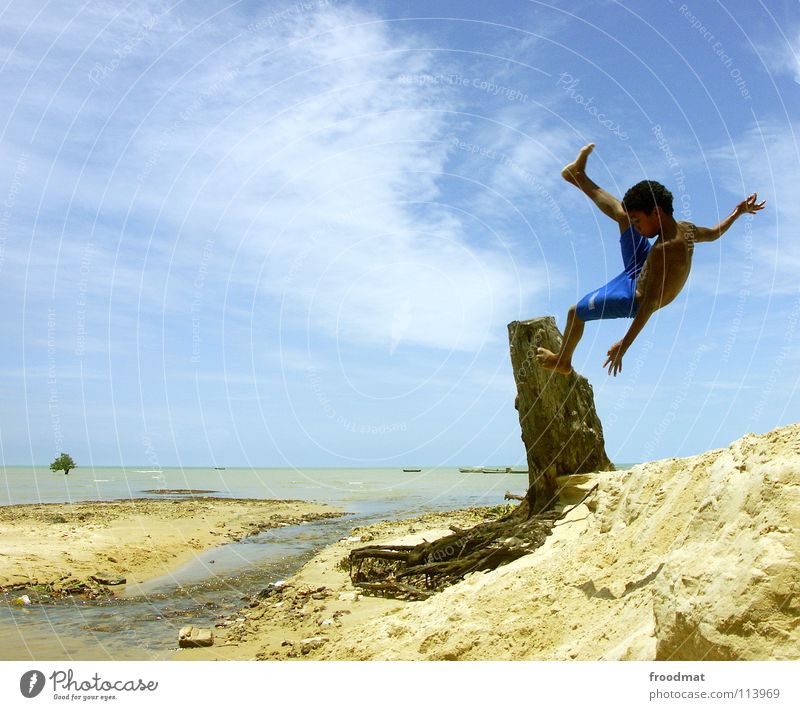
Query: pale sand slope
[692,558]
[138,539]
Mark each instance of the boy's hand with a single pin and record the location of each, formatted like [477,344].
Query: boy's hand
[614,359]
[750,206]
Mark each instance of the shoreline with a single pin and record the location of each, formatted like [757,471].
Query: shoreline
[696,558]
[57,547]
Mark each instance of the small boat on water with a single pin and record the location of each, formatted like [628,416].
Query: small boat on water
[412,470]
[493,469]
[506,469]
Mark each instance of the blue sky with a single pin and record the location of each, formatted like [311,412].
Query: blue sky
[293,234]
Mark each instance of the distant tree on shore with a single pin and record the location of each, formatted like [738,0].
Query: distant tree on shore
[63,463]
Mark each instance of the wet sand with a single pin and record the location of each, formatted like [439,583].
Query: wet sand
[319,604]
[62,545]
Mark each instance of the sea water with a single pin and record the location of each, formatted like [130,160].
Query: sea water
[144,622]
[360,490]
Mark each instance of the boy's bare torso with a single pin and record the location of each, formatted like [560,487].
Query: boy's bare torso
[667,267]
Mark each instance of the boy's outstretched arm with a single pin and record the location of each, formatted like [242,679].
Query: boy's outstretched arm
[617,350]
[653,286]
[747,206]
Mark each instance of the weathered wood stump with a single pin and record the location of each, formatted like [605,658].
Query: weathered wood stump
[562,435]
[560,427]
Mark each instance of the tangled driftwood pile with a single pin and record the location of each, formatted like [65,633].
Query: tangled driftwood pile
[418,571]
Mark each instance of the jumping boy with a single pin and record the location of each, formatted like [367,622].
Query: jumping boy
[654,274]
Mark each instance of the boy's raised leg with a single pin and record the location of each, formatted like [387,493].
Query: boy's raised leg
[561,361]
[576,170]
[575,174]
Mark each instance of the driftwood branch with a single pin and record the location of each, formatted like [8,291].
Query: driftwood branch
[417,571]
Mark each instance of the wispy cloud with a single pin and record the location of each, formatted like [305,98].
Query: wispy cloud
[766,159]
[295,148]
[780,54]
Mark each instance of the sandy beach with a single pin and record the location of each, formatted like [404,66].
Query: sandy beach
[319,604]
[61,546]
[695,558]
[678,559]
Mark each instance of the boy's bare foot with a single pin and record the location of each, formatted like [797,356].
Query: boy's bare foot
[551,361]
[578,166]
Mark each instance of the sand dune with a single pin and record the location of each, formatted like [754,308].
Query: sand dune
[694,558]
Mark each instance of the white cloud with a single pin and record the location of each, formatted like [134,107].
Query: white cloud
[782,57]
[293,147]
[765,160]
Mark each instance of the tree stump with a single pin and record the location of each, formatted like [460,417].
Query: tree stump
[562,435]
[560,427]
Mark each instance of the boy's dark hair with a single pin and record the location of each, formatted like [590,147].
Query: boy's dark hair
[645,195]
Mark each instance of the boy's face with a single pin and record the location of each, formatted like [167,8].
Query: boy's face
[648,225]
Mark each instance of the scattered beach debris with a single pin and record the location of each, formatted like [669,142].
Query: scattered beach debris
[178,491]
[66,586]
[109,579]
[311,643]
[349,596]
[194,637]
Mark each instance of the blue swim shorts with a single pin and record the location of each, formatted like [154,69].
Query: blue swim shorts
[617,299]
